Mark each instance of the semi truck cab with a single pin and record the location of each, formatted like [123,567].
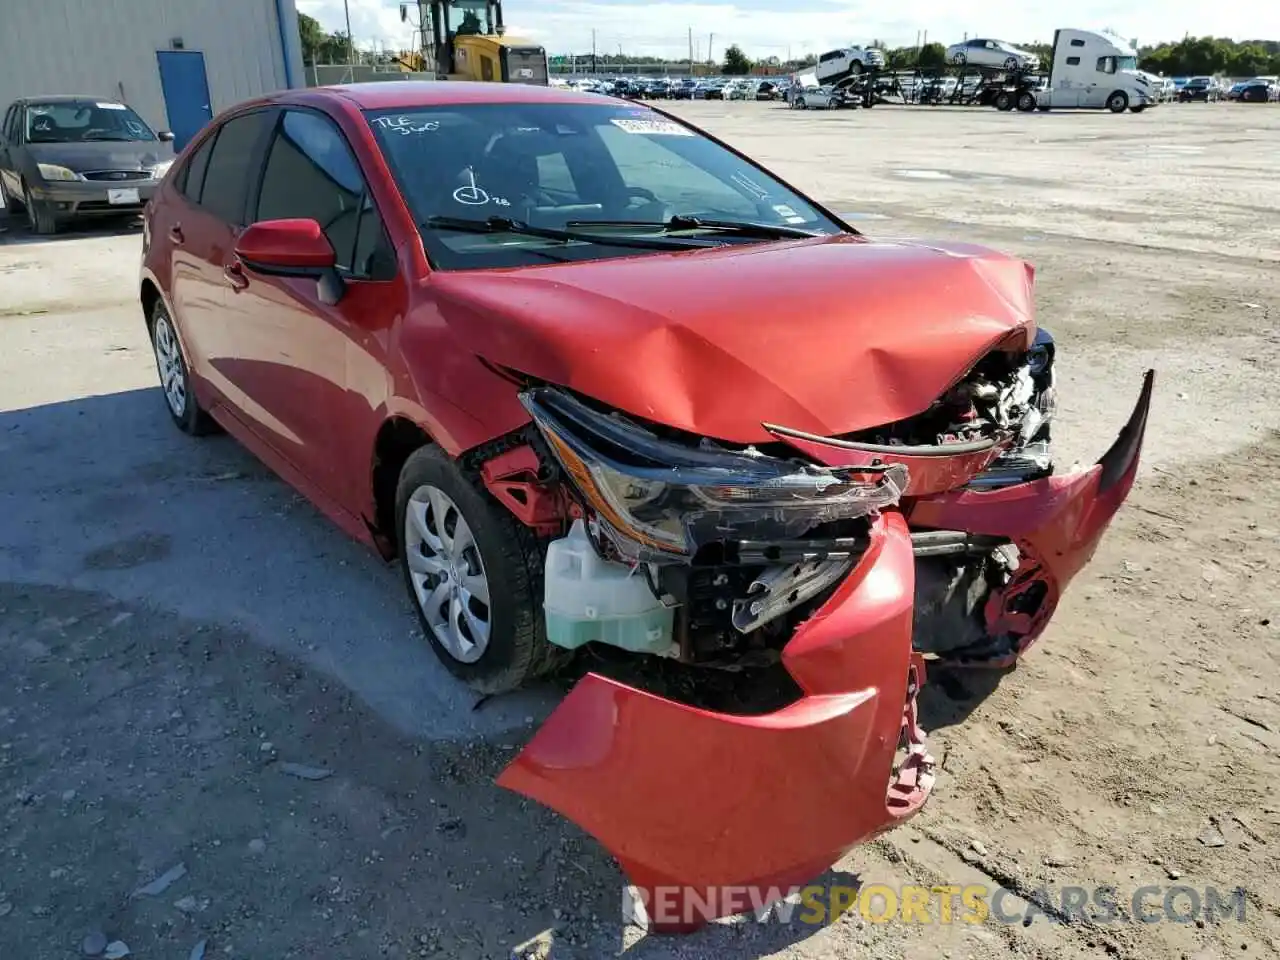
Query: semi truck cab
[1095,71]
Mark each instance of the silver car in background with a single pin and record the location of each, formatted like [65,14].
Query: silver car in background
[991,53]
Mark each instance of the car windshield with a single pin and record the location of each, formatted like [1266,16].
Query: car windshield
[73,121]
[612,168]
[1126,63]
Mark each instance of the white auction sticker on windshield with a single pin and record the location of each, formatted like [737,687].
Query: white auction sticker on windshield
[664,128]
[110,106]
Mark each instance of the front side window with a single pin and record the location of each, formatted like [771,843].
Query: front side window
[312,174]
[569,166]
[77,121]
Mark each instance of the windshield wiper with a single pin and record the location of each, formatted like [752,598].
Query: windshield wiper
[744,228]
[520,228]
[112,137]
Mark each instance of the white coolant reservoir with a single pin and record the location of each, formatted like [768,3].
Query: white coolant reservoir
[587,599]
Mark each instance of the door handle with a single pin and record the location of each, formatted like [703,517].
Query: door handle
[234,272]
[175,234]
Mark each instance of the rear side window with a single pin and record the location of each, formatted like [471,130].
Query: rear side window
[192,177]
[227,179]
[311,173]
[1073,61]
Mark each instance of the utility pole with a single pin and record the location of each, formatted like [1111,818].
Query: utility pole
[351,42]
[593,50]
[711,41]
[691,51]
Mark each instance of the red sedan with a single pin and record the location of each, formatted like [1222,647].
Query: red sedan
[597,379]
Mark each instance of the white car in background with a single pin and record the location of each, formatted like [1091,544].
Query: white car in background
[815,98]
[991,53]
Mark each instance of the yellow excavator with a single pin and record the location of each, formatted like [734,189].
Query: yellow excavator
[469,41]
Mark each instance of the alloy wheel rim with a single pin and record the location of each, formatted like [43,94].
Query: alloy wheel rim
[173,378]
[447,573]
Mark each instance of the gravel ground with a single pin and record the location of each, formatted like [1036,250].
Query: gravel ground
[201,672]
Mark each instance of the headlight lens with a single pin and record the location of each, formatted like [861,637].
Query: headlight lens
[51,171]
[662,499]
[160,169]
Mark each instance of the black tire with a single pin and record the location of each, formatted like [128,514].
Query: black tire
[39,216]
[1138,109]
[1011,63]
[1026,101]
[1118,102]
[959,59]
[513,562]
[855,68]
[193,419]
[1004,101]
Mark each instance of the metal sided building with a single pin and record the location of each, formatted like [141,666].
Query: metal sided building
[176,62]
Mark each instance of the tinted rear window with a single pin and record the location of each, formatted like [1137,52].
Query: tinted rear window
[230,173]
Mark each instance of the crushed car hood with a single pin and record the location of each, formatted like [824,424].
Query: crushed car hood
[828,336]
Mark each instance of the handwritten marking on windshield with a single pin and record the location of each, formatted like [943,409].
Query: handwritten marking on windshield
[472,195]
[407,126]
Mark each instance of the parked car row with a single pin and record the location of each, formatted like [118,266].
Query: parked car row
[681,88]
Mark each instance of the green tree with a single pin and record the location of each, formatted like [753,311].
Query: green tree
[933,55]
[736,63]
[312,36]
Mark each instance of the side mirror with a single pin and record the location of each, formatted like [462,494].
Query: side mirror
[165,136]
[292,248]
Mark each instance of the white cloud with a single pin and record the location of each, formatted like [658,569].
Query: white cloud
[662,28]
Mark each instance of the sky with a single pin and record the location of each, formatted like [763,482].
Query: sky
[778,27]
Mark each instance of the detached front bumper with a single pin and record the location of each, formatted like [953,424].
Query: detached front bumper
[712,814]
[702,809]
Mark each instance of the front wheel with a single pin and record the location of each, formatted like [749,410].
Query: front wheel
[1026,101]
[39,215]
[1004,100]
[1118,102]
[475,575]
[958,58]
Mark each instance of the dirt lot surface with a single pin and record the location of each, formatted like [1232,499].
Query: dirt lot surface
[200,672]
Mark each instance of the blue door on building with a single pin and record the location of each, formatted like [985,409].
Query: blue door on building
[186,93]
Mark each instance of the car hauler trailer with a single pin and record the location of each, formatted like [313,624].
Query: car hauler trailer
[1095,71]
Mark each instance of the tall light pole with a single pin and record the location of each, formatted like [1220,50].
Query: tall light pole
[351,42]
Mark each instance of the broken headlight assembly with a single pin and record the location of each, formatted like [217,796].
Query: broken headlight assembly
[659,500]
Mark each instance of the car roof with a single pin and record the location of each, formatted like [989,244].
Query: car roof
[424,93]
[69,98]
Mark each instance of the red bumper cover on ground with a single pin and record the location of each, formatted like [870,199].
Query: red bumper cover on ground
[694,803]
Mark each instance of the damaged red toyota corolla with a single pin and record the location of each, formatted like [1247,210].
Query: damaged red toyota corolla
[598,379]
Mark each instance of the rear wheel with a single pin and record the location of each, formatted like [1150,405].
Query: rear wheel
[475,575]
[1004,100]
[175,376]
[1118,102]
[1026,101]
[1137,109]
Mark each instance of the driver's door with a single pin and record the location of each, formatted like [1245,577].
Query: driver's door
[293,351]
